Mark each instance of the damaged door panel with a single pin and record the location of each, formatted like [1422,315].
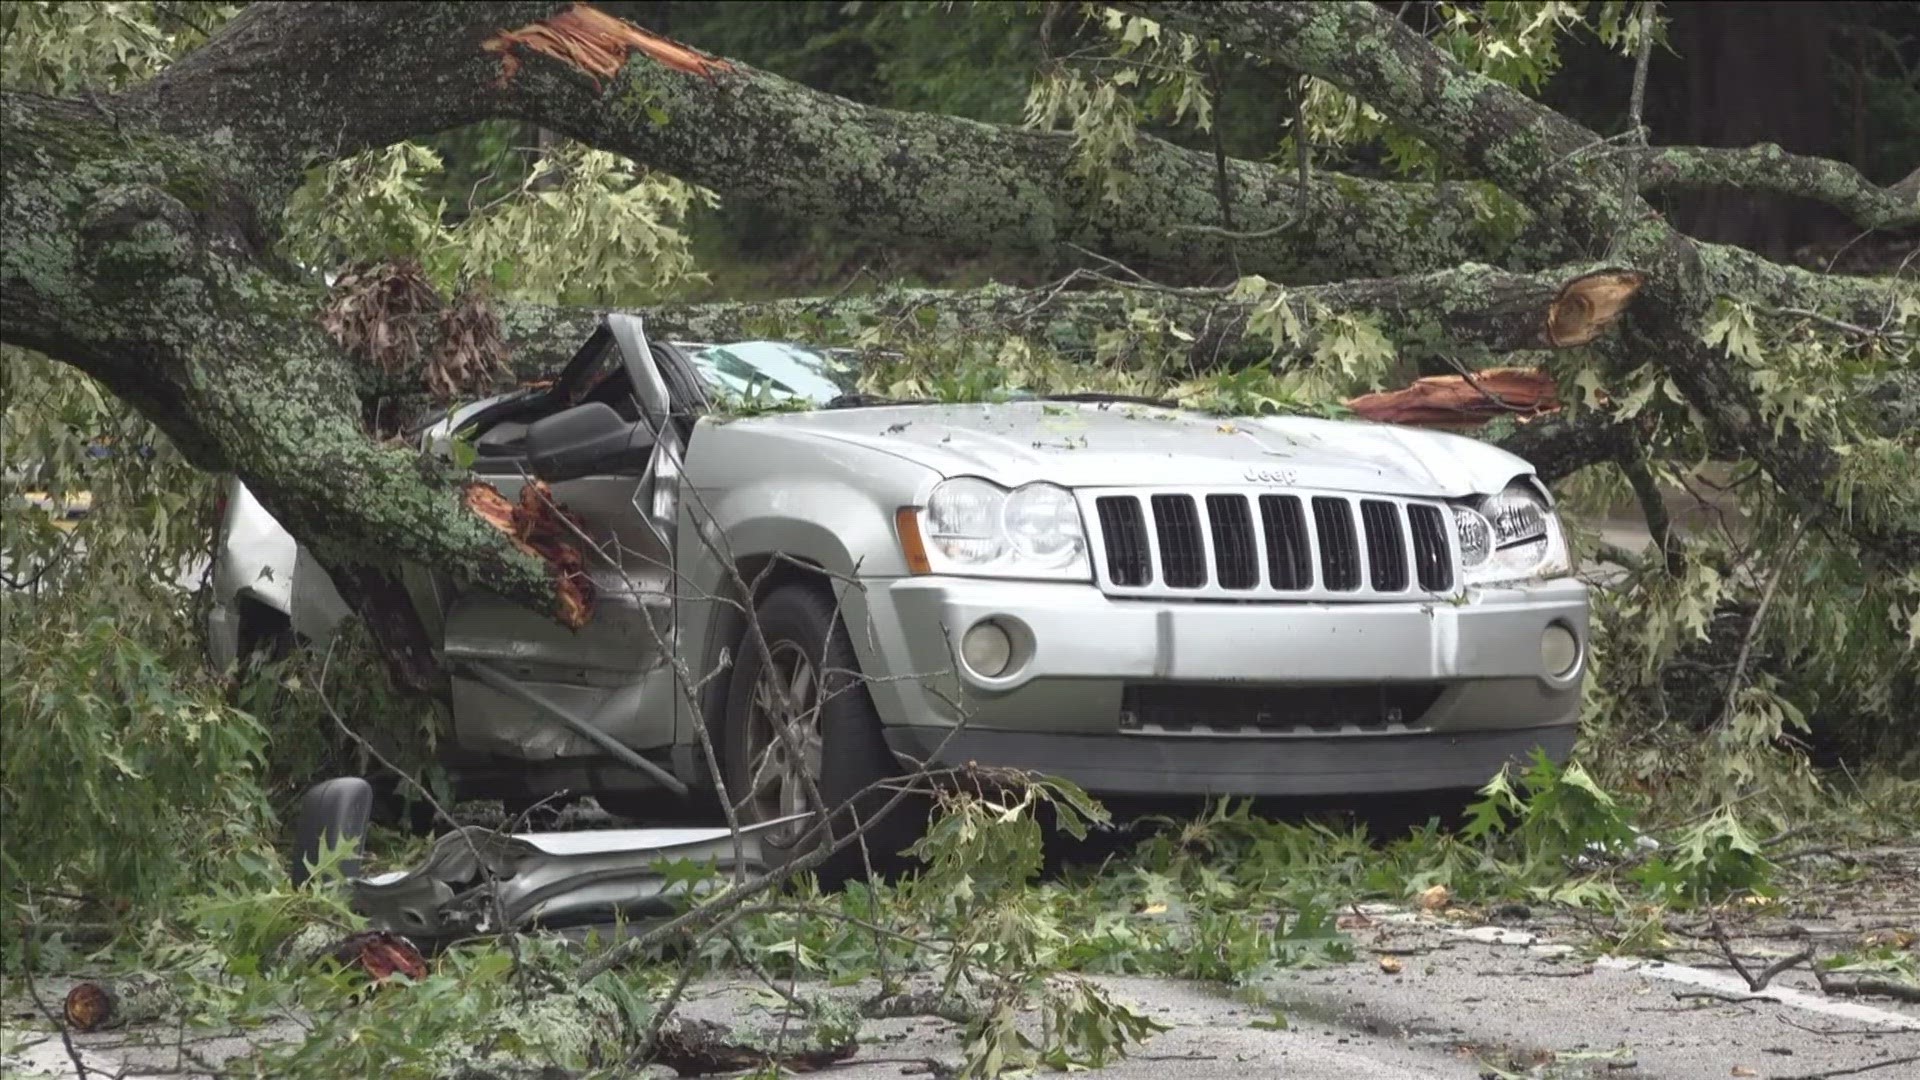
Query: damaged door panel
[615,672]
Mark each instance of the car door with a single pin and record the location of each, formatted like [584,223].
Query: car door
[615,673]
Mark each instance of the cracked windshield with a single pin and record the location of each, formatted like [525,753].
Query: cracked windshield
[772,372]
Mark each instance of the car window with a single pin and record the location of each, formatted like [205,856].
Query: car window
[772,371]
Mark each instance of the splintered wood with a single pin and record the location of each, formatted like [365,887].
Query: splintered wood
[1578,313]
[1455,401]
[543,530]
[594,42]
[1589,304]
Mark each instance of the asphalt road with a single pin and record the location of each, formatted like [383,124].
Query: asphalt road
[1454,997]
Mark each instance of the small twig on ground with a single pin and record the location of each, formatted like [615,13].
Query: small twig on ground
[1731,999]
[1834,1032]
[1855,1070]
[1866,987]
[1759,982]
[80,1069]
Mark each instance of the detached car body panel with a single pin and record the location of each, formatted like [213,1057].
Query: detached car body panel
[1140,599]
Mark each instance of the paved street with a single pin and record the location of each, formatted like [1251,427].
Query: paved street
[1522,999]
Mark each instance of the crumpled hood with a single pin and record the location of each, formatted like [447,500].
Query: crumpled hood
[1108,445]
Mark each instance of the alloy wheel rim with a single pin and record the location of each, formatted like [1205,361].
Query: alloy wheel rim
[784,772]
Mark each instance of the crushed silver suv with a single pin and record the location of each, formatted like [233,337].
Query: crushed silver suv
[1143,600]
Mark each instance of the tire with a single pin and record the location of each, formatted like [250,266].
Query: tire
[330,811]
[845,750]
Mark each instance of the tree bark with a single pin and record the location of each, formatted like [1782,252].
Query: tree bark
[136,256]
[319,81]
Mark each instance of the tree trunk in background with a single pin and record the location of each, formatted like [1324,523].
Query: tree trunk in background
[1750,73]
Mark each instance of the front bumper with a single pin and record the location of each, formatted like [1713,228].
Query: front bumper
[1145,765]
[1060,709]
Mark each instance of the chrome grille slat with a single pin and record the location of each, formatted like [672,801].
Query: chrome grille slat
[1128,559]
[1235,554]
[1289,552]
[1240,543]
[1386,547]
[1431,552]
[1339,544]
[1183,557]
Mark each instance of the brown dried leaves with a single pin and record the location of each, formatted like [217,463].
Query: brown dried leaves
[592,41]
[382,314]
[471,352]
[544,530]
[378,313]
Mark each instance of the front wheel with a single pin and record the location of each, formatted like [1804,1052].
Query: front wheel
[802,738]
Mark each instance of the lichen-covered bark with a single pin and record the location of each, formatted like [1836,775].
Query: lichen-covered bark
[1500,134]
[133,255]
[1768,168]
[1460,313]
[318,80]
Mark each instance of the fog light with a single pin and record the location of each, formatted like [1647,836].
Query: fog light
[1559,650]
[987,649]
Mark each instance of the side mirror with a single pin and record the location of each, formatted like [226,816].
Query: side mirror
[586,439]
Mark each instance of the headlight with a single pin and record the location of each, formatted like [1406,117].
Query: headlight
[974,527]
[1512,536]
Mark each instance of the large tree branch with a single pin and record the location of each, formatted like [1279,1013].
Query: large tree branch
[131,256]
[1770,169]
[1541,158]
[1499,133]
[317,81]
[1465,312]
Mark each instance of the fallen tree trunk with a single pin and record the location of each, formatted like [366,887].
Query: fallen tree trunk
[756,138]
[1468,313]
[136,257]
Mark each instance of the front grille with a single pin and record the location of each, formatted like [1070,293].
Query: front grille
[1289,553]
[1209,708]
[1238,545]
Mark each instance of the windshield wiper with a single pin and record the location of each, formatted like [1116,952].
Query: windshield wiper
[866,401]
[1095,398]
[872,401]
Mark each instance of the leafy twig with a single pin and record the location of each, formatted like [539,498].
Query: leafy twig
[1753,628]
